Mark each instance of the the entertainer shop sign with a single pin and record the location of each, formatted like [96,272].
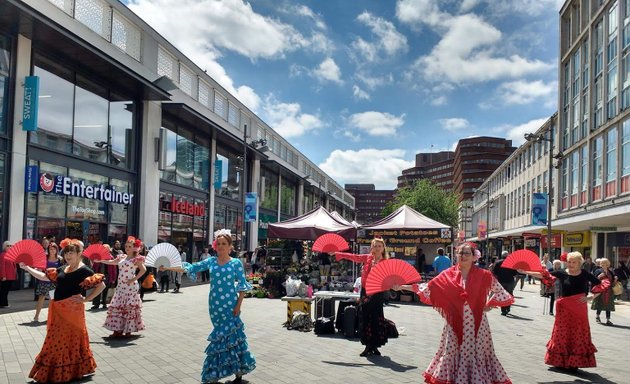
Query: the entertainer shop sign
[64,185]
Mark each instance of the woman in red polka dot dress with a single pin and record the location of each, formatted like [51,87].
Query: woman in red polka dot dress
[571,346]
[124,313]
[460,294]
[66,354]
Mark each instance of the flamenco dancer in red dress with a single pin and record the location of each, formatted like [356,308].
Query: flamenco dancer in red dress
[570,346]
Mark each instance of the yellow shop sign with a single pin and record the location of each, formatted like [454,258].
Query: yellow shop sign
[577,239]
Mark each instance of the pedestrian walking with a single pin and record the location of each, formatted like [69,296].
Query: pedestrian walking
[606,300]
[228,352]
[66,355]
[124,313]
[372,324]
[7,275]
[441,261]
[53,260]
[462,294]
[205,275]
[570,346]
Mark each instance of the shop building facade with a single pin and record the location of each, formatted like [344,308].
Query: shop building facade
[131,137]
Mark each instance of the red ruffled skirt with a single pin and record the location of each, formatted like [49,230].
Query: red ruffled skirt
[66,353]
[570,345]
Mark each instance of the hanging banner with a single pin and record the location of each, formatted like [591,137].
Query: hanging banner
[31,103]
[31,178]
[482,230]
[251,199]
[539,208]
[218,173]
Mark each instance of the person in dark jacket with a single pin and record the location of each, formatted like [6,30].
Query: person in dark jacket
[505,277]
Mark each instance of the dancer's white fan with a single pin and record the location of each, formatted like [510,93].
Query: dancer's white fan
[163,254]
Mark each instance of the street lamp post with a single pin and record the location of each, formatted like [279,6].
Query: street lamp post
[539,138]
[256,143]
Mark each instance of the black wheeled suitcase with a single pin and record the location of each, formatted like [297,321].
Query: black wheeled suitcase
[325,326]
[350,321]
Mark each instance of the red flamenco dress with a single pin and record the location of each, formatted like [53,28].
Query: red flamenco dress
[570,345]
[466,352]
[66,354]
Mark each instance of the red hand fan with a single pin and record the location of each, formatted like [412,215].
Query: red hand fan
[388,273]
[29,252]
[330,242]
[97,252]
[523,259]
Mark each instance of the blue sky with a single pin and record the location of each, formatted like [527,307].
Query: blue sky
[361,86]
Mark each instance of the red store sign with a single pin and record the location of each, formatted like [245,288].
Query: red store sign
[183,207]
[556,241]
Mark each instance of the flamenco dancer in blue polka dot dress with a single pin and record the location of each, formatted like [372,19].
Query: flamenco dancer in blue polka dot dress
[228,353]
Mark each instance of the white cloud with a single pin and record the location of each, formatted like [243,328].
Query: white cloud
[328,70]
[439,100]
[359,93]
[523,92]
[376,123]
[388,39]
[372,82]
[454,124]
[517,133]
[288,119]
[468,5]
[350,166]
[416,12]
[466,54]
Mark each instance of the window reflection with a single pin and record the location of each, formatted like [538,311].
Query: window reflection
[5,70]
[288,198]
[185,161]
[91,140]
[231,167]
[54,121]
[269,189]
[80,119]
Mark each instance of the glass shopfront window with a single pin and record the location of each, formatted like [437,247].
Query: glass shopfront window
[91,217]
[231,175]
[287,198]
[183,222]
[5,71]
[187,158]
[226,216]
[79,117]
[269,189]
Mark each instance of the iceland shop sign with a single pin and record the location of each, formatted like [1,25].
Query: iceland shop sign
[63,185]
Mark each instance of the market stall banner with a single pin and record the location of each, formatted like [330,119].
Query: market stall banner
[404,242]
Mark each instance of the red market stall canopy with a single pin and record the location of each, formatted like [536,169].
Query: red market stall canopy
[310,226]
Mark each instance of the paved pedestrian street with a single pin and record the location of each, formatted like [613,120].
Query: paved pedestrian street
[171,349]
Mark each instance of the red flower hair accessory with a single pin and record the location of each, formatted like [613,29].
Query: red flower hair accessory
[67,241]
[137,243]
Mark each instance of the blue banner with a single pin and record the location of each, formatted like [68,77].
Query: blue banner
[218,173]
[539,208]
[30,178]
[251,199]
[31,103]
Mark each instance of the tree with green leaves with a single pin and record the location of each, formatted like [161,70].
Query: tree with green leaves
[430,200]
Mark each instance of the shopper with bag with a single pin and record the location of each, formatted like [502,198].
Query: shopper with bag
[606,301]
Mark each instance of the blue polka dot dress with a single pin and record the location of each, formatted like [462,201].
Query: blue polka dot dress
[228,353]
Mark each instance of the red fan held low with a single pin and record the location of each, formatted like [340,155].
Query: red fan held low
[97,252]
[29,252]
[388,273]
[330,242]
[523,259]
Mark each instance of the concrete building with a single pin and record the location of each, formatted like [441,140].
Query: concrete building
[131,137]
[369,201]
[437,167]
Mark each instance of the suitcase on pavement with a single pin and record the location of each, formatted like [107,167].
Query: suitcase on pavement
[325,326]
[350,321]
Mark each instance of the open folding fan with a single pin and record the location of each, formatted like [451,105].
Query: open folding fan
[163,254]
[330,242]
[523,259]
[29,252]
[97,252]
[388,273]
